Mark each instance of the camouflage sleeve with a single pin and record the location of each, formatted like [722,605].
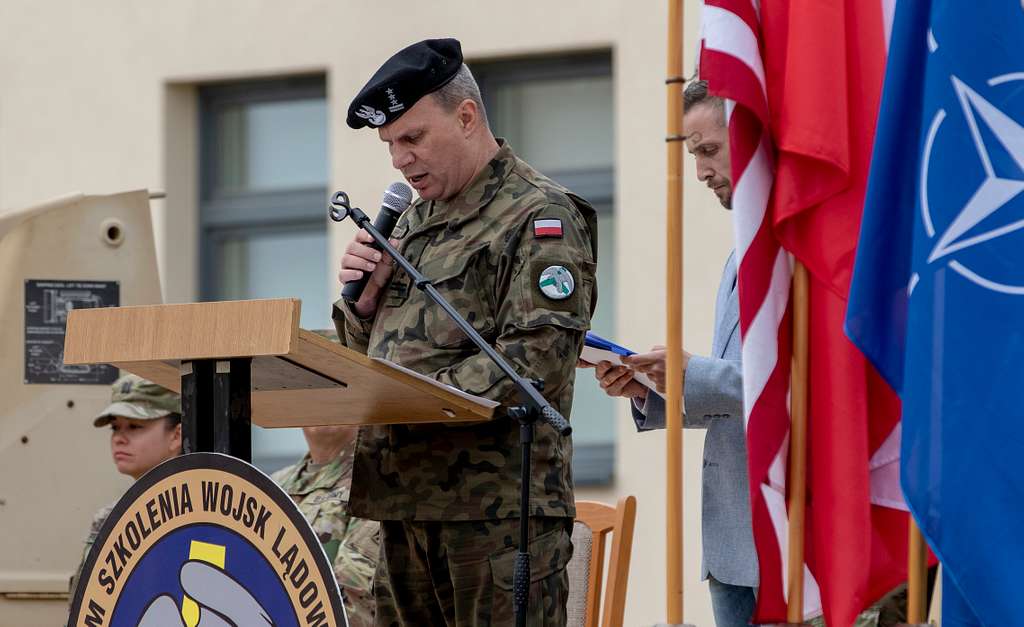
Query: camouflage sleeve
[539,335]
[353,331]
[73,584]
[98,519]
[354,567]
[280,477]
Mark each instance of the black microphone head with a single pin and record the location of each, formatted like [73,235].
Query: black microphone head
[397,197]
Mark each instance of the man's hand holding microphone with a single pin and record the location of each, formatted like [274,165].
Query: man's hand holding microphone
[365,270]
[362,259]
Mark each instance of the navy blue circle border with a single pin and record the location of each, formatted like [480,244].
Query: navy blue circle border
[233,466]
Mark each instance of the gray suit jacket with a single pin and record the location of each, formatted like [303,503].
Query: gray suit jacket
[713,400]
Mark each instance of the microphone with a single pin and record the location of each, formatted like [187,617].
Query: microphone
[397,199]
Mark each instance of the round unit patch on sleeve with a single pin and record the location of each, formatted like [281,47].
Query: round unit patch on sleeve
[556,282]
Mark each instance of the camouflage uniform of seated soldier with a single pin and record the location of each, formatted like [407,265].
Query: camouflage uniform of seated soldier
[319,485]
[515,254]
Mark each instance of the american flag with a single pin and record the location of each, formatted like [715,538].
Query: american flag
[770,60]
[731,49]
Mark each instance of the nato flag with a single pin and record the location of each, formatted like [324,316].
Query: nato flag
[937,301]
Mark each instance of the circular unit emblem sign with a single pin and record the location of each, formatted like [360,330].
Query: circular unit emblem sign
[556,282]
[206,539]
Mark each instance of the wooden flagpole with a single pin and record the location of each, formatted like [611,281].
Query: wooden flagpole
[674,315]
[917,574]
[798,445]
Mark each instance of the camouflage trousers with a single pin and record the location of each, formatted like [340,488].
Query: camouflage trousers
[889,612]
[867,618]
[460,573]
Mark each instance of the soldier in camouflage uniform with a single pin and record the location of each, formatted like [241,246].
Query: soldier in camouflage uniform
[515,254]
[145,423]
[319,485]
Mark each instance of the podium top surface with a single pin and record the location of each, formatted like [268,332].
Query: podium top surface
[299,378]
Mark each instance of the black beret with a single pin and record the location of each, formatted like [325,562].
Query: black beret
[412,73]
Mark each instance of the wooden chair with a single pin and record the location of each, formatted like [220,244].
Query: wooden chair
[594,521]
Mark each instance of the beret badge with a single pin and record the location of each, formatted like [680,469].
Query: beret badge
[374,116]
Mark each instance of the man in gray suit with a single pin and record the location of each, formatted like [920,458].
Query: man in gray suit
[712,393]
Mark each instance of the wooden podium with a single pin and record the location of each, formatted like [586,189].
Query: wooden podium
[238,362]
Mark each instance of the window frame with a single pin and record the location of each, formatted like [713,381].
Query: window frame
[223,214]
[594,463]
[597,185]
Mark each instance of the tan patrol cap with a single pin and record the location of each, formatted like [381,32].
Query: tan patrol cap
[132,396]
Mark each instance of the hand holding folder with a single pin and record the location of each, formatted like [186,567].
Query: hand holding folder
[597,349]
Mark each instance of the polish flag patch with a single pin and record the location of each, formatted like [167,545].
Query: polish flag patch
[547,228]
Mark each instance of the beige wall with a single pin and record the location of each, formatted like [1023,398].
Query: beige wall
[100,96]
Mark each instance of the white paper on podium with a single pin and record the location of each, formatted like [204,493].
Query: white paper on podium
[436,383]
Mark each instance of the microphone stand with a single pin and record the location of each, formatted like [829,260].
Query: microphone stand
[534,406]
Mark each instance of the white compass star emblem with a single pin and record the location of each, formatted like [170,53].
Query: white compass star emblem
[993,194]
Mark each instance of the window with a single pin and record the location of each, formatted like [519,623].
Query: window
[557,114]
[263,166]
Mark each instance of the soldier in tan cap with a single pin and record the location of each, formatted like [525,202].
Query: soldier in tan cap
[145,430]
[145,425]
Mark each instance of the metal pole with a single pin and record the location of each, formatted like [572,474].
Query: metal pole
[197,434]
[216,405]
[521,576]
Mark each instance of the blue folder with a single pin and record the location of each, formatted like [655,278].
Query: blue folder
[594,340]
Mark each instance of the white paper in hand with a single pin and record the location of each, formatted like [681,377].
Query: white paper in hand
[597,349]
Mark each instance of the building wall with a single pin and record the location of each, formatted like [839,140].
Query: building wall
[101,96]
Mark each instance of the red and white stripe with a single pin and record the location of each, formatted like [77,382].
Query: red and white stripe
[547,227]
[731,61]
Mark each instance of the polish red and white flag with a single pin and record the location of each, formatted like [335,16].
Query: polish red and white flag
[547,228]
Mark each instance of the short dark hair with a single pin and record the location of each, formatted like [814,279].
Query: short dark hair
[173,420]
[696,92]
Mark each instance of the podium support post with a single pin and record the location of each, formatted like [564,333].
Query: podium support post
[216,403]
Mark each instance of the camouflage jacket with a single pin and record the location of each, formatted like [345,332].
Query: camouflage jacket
[351,544]
[483,253]
[94,530]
